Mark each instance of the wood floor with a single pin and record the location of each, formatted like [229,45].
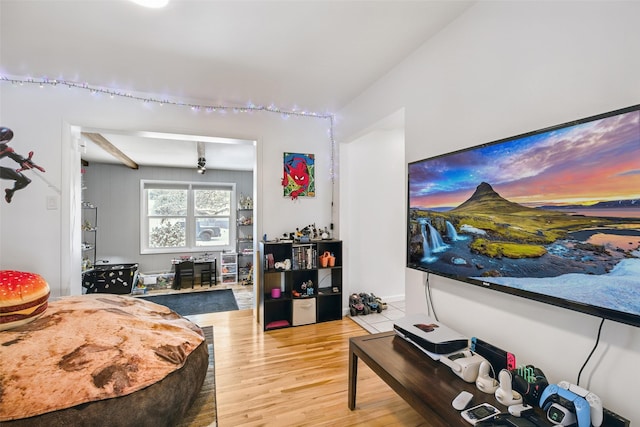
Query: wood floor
[296,376]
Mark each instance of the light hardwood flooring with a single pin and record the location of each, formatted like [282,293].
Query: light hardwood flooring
[295,376]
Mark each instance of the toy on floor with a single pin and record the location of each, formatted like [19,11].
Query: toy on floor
[356,306]
[379,301]
[371,302]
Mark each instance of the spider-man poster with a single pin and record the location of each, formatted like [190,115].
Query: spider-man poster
[298,179]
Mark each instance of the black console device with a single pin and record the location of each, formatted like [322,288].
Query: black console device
[530,382]
[507,420]
[498,358]
[611,419]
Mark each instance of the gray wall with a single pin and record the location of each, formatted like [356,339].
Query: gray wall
[115,191]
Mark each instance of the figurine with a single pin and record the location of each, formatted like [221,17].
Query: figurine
[21,181]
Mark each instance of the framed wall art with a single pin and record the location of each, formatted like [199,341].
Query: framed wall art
[298,179]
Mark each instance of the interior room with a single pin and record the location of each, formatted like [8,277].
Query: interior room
[362,89]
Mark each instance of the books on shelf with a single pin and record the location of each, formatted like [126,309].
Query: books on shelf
[304,257]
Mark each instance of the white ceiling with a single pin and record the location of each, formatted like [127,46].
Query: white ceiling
[174,150]
[312,55]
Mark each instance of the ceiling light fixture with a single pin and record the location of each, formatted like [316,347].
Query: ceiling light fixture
[201,160]
[201,165]
[153,4]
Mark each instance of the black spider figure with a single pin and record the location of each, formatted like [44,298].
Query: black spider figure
[21,181]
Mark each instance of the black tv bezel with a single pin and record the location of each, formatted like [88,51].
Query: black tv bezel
[598,311]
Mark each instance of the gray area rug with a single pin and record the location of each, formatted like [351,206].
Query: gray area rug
[203,412]
[187,304]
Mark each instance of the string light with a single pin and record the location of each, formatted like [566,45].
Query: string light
[112,93]
[220,108]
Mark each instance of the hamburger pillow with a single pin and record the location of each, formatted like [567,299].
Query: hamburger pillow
[23,298]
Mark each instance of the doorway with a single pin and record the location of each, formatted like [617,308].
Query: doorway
[119,209]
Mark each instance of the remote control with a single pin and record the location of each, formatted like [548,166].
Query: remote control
[462,400]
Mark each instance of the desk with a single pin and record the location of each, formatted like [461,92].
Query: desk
[199,265]
[427,385]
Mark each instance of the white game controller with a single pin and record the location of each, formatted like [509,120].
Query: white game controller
[505,394]
[592,399]
[485,382]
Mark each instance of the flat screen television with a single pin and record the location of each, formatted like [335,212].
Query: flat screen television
[551,215]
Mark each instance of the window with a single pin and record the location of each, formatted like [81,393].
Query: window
[186,217]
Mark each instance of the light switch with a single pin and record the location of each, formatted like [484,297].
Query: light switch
[52,202]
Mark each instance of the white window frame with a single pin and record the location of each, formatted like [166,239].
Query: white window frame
[190,217]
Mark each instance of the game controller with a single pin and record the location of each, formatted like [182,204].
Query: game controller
[485,382]
[595,403]
[530,382]
[554,394]
[511,361]
[505,393]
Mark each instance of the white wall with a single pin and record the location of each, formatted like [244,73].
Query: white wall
[501,69]
[36,239]
[372,209]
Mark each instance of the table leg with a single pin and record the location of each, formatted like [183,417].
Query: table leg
[353,377]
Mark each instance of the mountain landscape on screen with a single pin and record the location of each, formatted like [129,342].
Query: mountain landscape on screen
[487,226]
[551,215]
[493,240]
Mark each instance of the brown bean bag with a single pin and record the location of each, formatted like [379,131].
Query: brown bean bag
[101,360]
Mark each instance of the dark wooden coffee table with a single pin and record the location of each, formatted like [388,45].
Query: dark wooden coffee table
[427,385]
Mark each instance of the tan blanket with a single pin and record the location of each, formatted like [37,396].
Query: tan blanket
[89,348]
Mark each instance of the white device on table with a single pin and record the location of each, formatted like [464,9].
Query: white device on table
[520,409]
[592,399]
[478,413]
[464,364]
[462,400]
[505,394]
[429,335]
[485,382]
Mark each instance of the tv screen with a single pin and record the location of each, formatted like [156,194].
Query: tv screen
[552,215]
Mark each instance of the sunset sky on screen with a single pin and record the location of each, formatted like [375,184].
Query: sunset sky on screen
[582,164]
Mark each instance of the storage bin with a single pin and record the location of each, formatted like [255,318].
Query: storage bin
[154,281]
[111,279]
[304,311]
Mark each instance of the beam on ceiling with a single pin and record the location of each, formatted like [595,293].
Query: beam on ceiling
[107,146]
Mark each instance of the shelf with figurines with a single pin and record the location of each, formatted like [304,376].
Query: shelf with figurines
[309,233]
[305,265]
